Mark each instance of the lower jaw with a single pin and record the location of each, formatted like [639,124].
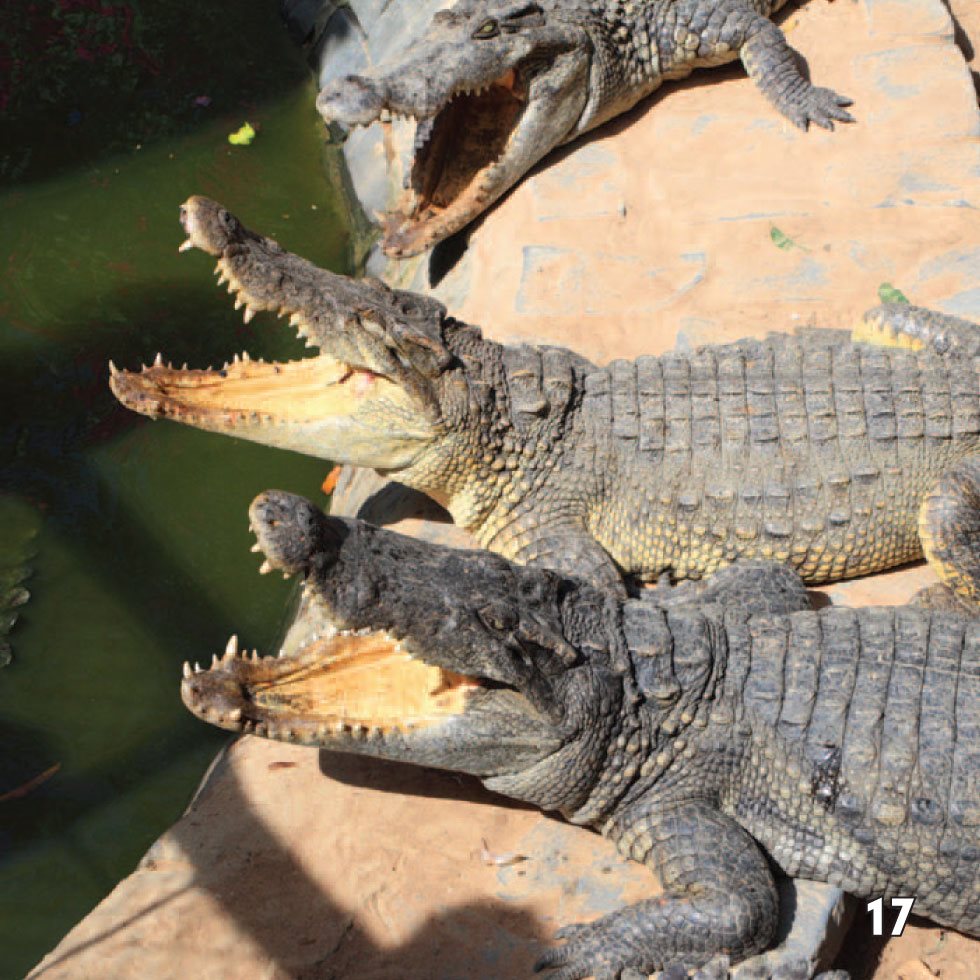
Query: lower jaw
[408,235]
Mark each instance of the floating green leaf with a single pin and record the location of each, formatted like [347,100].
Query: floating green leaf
[243,136]
[887,293]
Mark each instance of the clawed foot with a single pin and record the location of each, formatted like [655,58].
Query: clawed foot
[589,950]
[818,105]
[598,950]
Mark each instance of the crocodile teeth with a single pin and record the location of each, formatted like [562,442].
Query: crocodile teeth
[222,278]
[187,669]
[245,357]
[239,302]
[265,567]
[197,667]
[235,714]
[158,360]
[256,547]
[185,245]
[248,314]
[232,645]
[113,370]
[214,660]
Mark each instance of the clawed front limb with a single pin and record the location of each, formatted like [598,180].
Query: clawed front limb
[771,63]
[572,552]
[719,899]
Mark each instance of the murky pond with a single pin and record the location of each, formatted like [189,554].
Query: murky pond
[135,532]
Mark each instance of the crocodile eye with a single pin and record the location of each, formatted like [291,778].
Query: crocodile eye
[488,29]
[498,617]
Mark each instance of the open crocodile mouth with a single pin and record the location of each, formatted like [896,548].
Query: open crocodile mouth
[245,390]
[349,684]
[351,676]
[458,162]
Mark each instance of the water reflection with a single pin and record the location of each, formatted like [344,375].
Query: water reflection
[142,552]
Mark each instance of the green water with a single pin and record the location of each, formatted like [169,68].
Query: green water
[141,551]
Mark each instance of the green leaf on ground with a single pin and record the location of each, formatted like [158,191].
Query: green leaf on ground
[781,240]
[243,136]
[887,293]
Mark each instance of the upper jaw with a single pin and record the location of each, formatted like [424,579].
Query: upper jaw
[360,321]
[360,100]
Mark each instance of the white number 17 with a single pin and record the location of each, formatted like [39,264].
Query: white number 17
[904,905]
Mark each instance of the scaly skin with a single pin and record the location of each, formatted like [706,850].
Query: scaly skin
[811,450]
[497,84]
[844,744]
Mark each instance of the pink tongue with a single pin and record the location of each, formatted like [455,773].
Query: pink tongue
[362,382]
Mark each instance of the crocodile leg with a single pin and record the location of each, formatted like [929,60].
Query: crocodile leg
[760,588]
[571,551]
[949,518]
[719,896]
[949,528]
[771,63]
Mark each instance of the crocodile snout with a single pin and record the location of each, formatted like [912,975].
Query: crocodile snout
[353,100]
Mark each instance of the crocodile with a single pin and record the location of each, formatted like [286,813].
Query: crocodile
[705,738]
[838,458]
[495,85]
